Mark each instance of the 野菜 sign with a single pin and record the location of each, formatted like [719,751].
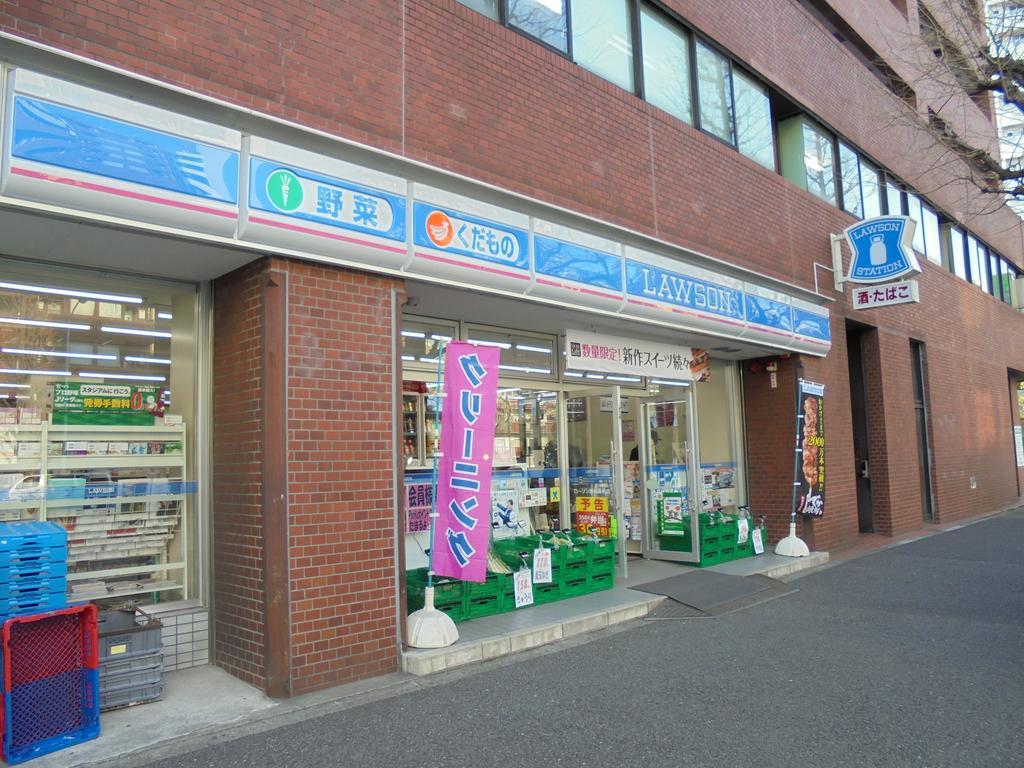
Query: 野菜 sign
[462,531]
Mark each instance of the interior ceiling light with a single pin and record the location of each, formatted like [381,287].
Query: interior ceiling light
[498,344]
[14,386]
[51,353]
[68,292]
[670,383]
[165,315]
[631,379]
[574,374]
[135,331]
[31,372]
[440,337]
[45,324]
[528,348]
[154,360]
[414,334]
[129,376]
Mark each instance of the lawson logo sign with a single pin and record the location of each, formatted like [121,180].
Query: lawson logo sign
[882,249]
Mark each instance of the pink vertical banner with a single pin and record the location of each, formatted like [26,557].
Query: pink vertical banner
[462,530]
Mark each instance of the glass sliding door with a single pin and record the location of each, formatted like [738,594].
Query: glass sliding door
[667,441]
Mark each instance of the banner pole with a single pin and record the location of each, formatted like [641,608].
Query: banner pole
[792,545]
[433,480]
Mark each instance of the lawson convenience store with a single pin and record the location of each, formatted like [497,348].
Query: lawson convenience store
[285,295]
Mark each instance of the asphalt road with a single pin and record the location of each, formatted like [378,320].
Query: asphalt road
[913,656]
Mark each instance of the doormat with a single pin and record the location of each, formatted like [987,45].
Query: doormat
[712,594]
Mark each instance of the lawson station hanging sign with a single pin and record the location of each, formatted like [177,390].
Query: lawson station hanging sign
[83,150]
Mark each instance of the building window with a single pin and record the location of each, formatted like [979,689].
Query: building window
[666,55]
[849,168]
[893,199]
[488,8]
[914,212]
[714,93]
[957,255]
[977,259]
[545,20]
[602,40]
[996,289]
[931,227]
[819,163]
[753,120]
[523,355]
[1009,278]
[421,340]
[870,186]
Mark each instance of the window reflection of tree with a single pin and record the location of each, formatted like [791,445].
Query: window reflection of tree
[537,18]
[716,108]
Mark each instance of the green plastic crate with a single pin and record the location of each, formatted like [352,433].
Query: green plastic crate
[483,605]
[600,581]
[547,593]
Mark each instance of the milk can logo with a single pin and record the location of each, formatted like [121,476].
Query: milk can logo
[882,249]
[284,190]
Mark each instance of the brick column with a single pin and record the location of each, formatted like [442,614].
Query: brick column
[304,518]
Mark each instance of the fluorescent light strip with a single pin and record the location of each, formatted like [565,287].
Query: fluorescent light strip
[407,358]
[595,376]
[165,315]
[414,334]
[135,331]
[439,337]
[670,383]
[67,292]
[631,379]
[45,324]
[574,375]
[154,360]
[50,353]
[428,359]
[528,348]
[14,386]
[128,376]
[498,344]
[32,372]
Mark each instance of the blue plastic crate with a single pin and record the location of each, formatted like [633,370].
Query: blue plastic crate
[23,605]
[32,542]
[51,714]
[33,570]
[30,588]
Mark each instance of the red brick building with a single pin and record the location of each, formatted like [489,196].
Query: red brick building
[262,180]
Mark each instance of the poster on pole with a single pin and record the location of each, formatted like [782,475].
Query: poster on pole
[810,479]
[462,529]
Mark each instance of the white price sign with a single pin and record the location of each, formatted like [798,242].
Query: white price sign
[523,587]
[758,542]
[542,566]
[742,530]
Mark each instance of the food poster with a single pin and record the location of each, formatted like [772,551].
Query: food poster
[671,511]
[810,476]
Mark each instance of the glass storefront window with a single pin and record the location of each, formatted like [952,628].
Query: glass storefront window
[542,19]
[666,54]
[97,398]
[522,354]
[422,338]
[753,120]
[714,91]
[717,428]
[602,40]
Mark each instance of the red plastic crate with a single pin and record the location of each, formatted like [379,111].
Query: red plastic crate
[50,682]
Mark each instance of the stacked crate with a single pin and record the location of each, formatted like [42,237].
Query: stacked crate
[33,568]
[130,659]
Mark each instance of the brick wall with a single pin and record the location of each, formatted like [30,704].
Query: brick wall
[341,473]
[238,575]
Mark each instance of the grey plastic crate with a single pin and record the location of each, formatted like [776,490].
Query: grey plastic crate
[127,633]
[117,665]
[126,697]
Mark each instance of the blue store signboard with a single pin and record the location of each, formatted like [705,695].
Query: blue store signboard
[447,230]
[882,249]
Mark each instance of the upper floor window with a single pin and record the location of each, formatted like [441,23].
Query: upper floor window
[957,254]
[666,69]
[753,110]
[602,40]
[714,93]
[808,158]
[546,20]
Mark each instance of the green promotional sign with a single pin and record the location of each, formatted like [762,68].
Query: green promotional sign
[105,404]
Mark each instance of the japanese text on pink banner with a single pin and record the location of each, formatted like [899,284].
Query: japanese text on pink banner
[462,533]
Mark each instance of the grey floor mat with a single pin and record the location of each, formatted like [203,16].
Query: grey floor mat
[670,609]
[705,589]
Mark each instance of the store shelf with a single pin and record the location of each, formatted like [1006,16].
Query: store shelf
[131,571]
[99,501]
[120,462]
[78,429]
[19,465]
[21,428]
